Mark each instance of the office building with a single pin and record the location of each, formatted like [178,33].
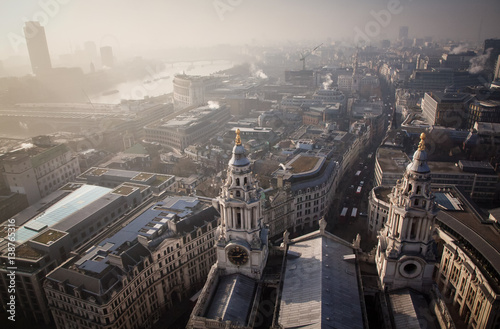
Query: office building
[438,79]
[141,271]
[194,126]
[446,109]
[390,164]
[493,47]
[307,78]
[311,180]
[109,177]
[192,90]
[496,73]
[468,272]
[483,111]
[40,168]
[107,58]
[37,48]
[403,32]
[483,143]
[48,231]
[459,61]
[477,179]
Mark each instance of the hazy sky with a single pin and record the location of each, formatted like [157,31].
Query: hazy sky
[155,24]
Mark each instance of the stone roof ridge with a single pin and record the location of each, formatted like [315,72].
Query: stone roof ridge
[326,234]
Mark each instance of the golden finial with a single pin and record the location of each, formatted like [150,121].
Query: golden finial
[421,145]
[238,138]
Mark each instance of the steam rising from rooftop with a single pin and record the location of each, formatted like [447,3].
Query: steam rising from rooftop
[214,105]
[328,81]
[256,72]
[458,50]
[477,63]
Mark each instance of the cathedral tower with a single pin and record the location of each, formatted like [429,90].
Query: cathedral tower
[242,246]
[405,255]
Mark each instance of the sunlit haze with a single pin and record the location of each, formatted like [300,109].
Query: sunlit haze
[139,27]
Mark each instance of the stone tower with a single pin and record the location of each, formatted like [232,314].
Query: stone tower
[242,246]
[405,254]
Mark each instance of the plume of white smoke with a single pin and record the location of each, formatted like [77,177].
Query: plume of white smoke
[261,74]
[27,145]
[477,63]
[213,105]
[458,50]
[328,81]
[257,73]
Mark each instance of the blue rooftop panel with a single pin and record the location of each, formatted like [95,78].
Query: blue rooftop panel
[77,200]
[145,223]
[447,201]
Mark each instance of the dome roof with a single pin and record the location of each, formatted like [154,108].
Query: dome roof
[238,159]
[419,162]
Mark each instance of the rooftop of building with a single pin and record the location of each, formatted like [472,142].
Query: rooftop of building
[490,103]
[462,167]
[257,130]
[335,106]
[49,236]
[392,160]
[182,211]
[193,77]
[63,213]
[24,251]
[191,117]
[152,179]
[320,287]
[410,309]
[442,97]
[303,164]
[487,128]
[38,154]
[233,299]
[382,192]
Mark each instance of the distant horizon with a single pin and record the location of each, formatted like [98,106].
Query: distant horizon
[161,25]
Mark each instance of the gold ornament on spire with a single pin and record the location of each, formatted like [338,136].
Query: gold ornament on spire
[421,145]
[238,138]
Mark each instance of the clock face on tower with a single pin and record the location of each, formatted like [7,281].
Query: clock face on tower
[237,255]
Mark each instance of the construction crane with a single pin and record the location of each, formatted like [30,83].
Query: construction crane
[303,56]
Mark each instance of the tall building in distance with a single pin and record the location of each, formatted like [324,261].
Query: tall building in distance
[494,45]
[403,32]
[107,58]
[496,74]
[37,47]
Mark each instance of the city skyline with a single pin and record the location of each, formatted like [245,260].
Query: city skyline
[139,29]
[250,164]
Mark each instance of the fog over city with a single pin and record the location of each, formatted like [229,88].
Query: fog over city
[267,164]
[142,27]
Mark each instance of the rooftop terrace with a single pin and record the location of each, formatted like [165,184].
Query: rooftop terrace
[49,236]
